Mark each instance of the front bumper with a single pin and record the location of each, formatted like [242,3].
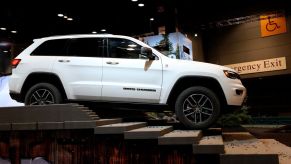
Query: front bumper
[235,92]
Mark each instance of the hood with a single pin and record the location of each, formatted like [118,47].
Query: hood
[197,66]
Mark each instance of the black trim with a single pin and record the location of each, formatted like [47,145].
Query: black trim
[180,80]
[24,88]
[16,96]
[99,104]
[5,74]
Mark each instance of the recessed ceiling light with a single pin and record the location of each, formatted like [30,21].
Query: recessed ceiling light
[65,16]
[152,19]
[132,45]
[60,15]
[3,28]
[69,19]
[141,5]
[103,30]
[14,32]
[94,32]
[134,0]
[196,35]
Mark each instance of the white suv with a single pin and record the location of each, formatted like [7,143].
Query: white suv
[114,68]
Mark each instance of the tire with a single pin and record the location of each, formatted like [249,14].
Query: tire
[43,94]
[197,107]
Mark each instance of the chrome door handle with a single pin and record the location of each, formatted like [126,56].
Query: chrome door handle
[63,61]
[112,63]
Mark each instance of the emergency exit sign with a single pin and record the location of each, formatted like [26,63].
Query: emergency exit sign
[266,65]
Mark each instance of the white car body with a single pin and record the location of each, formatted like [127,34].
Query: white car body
[120,79]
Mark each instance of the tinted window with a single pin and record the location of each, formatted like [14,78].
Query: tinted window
[186,50]
[51,48]
[122,48]
[86,47]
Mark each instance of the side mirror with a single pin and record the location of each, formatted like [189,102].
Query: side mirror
[5,61]
[147,52]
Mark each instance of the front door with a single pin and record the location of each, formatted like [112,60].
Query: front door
[128,76]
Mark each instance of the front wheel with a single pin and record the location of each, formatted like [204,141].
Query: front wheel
[197,107]
[43,94]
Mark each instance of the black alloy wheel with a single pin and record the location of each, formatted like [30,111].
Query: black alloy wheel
[43,94]
[197,107]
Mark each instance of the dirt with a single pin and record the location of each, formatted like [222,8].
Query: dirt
[280,133]
[260,146]
[261,140]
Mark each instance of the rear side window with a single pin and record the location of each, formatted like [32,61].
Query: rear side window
[86,47]
[51,48]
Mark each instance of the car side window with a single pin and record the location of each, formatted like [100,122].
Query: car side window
[86,47]
[123,48]
[51,48]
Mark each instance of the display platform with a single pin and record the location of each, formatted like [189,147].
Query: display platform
[72,133]
[5,99]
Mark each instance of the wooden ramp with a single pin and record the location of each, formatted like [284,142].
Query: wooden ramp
[230,147]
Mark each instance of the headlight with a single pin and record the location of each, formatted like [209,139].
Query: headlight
[231,74]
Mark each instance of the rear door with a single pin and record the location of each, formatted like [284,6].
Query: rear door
[43,57]
[81,70]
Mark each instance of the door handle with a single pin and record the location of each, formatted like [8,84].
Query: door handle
[112,63]
[63,61]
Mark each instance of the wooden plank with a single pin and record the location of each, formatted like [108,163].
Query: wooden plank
[24,126]
[149,132]
[249,158]
[230,136]
[5,126]
[101,122]
[47,113]
[209,145]
[180,137]
[50,125]
[244,148]
[118,128]
[79,124]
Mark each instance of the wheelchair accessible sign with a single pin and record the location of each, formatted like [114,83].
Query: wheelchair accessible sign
[273,24]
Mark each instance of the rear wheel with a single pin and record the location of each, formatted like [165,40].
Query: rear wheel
[197,107]
[43,94]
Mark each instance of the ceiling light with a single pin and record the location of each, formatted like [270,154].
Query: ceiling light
[132,45]
[130,49]
[152,19]
[60,15]
[65,17]
[3,28]
[69,19]
[94,32]
[195,35]
[141,5]
[134,0]
[14,32]
[103,30]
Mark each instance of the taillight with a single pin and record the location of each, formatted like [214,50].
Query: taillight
[15,62]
